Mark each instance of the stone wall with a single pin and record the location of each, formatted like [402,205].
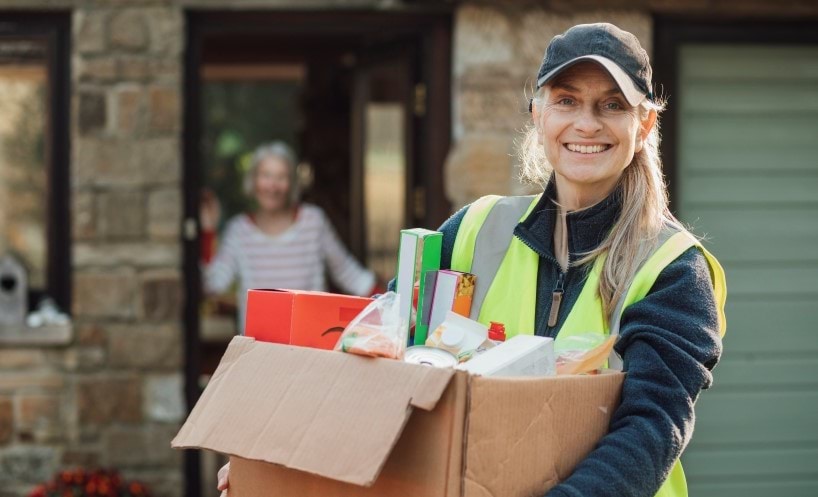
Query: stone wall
[115,396]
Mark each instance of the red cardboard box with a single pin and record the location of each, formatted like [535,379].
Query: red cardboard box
[299,317]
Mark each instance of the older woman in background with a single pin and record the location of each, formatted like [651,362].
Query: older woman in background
[282,243]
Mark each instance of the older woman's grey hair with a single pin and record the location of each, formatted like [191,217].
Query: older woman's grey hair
[276,150]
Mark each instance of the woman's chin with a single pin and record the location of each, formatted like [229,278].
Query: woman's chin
[272,207]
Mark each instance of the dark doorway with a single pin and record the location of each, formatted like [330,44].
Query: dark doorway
[363,98]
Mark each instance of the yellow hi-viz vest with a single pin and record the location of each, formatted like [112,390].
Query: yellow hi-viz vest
[512,290]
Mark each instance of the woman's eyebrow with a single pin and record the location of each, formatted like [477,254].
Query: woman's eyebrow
[565,86]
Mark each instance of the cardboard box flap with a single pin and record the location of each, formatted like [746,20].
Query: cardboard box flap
[328,413]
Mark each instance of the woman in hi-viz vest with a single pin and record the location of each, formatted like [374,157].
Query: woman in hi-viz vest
[598,251]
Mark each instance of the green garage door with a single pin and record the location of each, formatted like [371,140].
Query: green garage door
[748,181]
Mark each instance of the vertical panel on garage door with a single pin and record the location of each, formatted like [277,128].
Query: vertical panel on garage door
[748,181]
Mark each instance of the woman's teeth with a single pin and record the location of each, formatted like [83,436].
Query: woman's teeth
[587,149]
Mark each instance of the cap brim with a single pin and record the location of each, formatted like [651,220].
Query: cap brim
[633,95]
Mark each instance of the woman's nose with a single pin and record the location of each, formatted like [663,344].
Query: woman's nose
[588,122]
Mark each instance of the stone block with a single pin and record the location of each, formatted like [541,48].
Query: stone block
[103,161]
[120,214]
[112,293]
[164,214]
[96,69]
[6,419]
[164,109]
[11,359]
[106,400]
[139,254]
[12,382]
[89,334]
[127,30]
[89,30]
[140,447]
[160,160]
[30,464]
[134,68]
[39,417]
[491,102]
[82,215]
[125,162]
[91,112]
[145,346]
[88,458]
[164,398]
[161,296]
[483,35]
[79,359]
[479,164]
[129,111]
[167,30]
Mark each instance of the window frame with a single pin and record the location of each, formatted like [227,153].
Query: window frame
[55,29]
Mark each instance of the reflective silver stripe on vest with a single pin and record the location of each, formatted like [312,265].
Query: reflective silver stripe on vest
[491,244]
[614,361]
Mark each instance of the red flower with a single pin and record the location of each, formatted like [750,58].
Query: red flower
[83,483]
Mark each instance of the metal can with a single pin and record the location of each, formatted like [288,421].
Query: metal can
[430,356]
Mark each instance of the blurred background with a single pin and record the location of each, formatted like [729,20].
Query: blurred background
[115,115]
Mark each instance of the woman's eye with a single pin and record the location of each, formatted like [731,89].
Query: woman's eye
[565,101]
[613,106]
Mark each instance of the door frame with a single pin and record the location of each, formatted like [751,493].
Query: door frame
[670,32]
[430,25]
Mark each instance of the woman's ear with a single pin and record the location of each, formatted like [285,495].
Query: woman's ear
[645,128]
[535,116]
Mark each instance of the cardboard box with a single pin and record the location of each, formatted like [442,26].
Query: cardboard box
[302,422]
[298,317]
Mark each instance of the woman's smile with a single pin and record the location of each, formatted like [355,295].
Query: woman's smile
[587,149]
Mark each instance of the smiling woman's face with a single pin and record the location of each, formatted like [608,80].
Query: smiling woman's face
[589,132]
[272,184]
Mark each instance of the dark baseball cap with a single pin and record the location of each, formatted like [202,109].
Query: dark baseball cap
[618,51]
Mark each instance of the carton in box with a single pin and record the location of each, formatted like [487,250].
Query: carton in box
[335,424]
[418,253]
[299,317]
[447,290]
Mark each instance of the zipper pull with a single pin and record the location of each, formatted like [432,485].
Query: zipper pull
[556,300]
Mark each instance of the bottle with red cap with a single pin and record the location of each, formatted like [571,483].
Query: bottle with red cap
[497,332]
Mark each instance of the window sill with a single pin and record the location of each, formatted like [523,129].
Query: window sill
[48,335]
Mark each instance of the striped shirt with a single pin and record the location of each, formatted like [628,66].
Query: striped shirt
[297,258]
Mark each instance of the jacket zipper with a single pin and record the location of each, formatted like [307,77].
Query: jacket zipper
[556,300]
[556,294]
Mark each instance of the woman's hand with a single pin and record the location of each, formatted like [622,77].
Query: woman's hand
[223,479]
[209,210]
